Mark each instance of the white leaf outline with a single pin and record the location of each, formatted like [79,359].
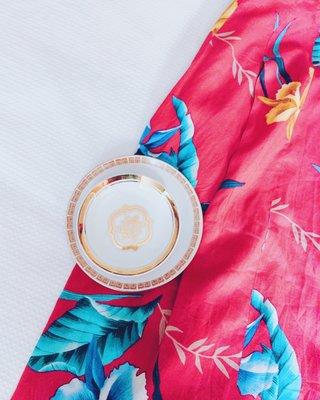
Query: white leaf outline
[221,367]
[316,245]
[197,350]
[313,234]
[224,34]
[300,235]
[172,328]
[239,76]
[276,201]
[197,344]
[163,322]
[162,328]
[253,74]
[221,350]
[304,243]
[198,363]
[207,347]
[180,352]
[281,207]
[238,71]
[234,68]
[251,86]
[295,233]
[230,362]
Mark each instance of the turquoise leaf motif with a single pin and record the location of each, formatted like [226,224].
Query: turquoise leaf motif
[273,373]
[122,384]
[230,184]
[156,382]
[74,390]
[257,372]
[316,167]
[277,22]
[251,330]
[278,58]
[68,295]
[65,344]
[204,206]
[281,73]
[94,372]
[185,159]
[316,53]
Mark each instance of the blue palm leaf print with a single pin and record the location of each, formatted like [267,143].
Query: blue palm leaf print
[74,390]
[230,184]
[156,382]
[316,53]
[185,159]
[64,346]
[281,72]
[316,167]
[257,374]
[251,330]
[273,373]
[68,295]
[277,56]
[123,384]
[94,372]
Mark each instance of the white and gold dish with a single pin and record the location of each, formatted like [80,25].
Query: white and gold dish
[134,223]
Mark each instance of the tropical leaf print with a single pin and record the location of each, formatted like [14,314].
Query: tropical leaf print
[68,295]
[204,206]
[64,346]
[94,378]
[276,22]
[239,73]
[251,330]
[185,159]
[273,373]
[316,167]
[277,58]
[74,390]
[122,384]
[301,236]
[156,382]
[288,102]
[163,322]
[230,184]
[199,349]
[316,53]
[281,72]
[257,373]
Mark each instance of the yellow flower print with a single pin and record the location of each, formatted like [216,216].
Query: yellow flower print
[224,17]
[288,103]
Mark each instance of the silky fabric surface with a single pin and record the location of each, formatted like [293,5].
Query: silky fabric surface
[242,320]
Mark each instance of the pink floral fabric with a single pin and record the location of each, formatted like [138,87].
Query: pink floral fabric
[242,320]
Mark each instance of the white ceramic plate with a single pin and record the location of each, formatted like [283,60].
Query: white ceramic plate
[134,223]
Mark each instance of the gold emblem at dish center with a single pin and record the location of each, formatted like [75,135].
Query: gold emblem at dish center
[130,227]
[81,224]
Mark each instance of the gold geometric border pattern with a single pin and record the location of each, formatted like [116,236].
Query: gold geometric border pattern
[173,272]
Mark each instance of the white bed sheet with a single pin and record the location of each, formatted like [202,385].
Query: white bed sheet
[79,80]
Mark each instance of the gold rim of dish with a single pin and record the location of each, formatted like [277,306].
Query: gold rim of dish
[143,180]
[150,283]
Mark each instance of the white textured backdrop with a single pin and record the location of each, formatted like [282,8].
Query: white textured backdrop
[79,80]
